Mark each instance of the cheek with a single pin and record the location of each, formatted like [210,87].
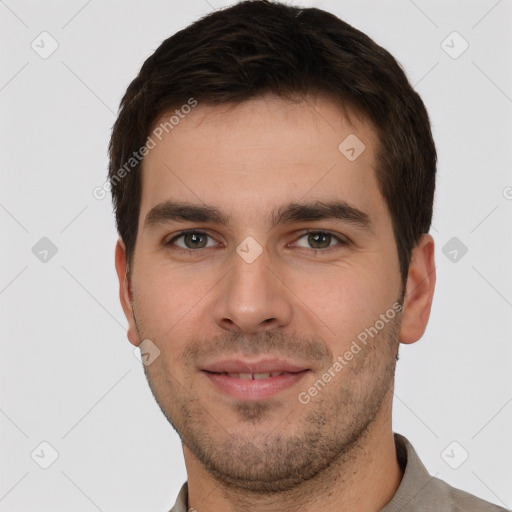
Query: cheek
[170,302]
[346,301]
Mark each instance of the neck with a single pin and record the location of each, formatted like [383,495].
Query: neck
[365,480]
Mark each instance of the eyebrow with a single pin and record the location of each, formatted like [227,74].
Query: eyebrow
[169,211]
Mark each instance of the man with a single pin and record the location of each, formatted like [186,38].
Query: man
[273,176]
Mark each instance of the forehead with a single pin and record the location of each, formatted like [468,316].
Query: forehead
[262,153]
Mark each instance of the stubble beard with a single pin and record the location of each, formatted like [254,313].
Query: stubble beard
[333,426]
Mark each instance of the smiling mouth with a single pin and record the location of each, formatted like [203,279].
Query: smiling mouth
[254,376]
[254,386]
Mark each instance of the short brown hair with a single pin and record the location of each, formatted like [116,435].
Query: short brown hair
[256,47]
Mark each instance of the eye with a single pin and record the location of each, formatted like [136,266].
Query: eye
[191,240]
[318,240]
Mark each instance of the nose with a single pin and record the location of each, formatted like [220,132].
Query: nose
[253,297]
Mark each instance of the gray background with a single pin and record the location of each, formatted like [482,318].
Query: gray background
[68,375]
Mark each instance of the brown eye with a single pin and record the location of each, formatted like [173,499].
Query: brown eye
[319,240]
[191,240]
[194,240]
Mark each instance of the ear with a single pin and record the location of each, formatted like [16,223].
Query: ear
[125,294]
[419,293]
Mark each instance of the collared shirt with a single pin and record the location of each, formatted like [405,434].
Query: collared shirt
[418,491]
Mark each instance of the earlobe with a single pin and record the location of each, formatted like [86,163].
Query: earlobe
[419,293]
[125,293]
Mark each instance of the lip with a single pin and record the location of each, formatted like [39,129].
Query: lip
[256,366]
[249,388]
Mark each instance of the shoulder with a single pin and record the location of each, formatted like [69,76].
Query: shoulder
[443,495]
[419,491]
[182,500]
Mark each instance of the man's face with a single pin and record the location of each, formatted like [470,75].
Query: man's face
[278,289]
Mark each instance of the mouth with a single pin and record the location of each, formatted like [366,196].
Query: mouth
[254,376]
[254,380]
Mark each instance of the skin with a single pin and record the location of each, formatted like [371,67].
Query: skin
[292,301]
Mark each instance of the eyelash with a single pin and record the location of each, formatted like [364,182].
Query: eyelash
[341,241]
